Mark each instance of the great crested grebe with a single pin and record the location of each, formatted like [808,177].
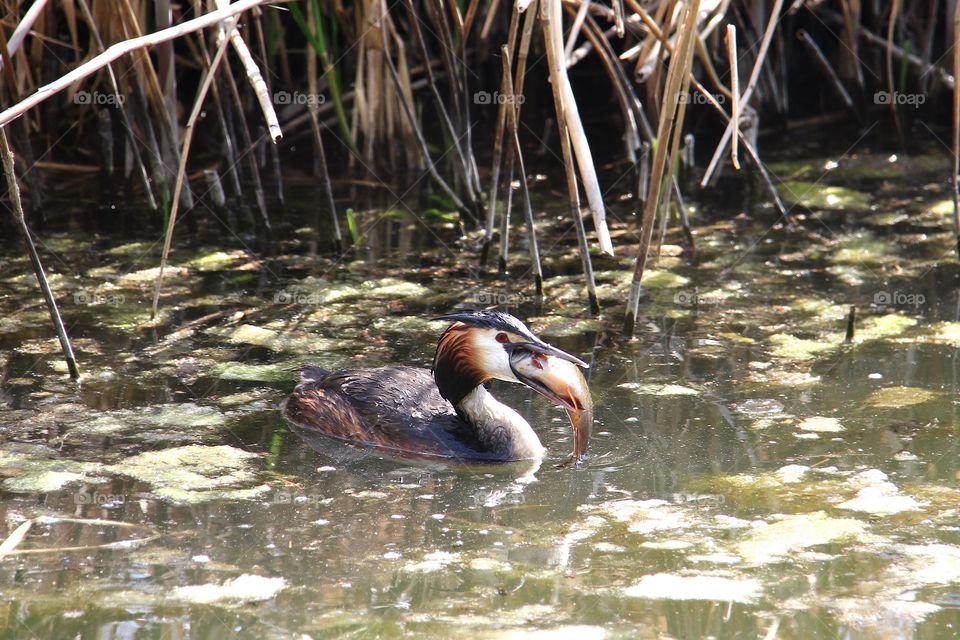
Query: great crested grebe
[446,412]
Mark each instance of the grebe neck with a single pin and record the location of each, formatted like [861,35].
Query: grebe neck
[500,428]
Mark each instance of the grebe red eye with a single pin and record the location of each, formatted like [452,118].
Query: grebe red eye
[502,337]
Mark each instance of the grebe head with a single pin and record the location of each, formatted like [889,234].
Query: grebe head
[478,347]
[562,383]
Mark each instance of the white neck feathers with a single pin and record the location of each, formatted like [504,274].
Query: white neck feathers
[499,427]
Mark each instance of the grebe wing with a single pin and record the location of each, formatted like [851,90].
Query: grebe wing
[396,408]
[389,394]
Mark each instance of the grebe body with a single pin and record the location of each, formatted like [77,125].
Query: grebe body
[445,412]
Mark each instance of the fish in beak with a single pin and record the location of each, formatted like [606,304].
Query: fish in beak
[554,374]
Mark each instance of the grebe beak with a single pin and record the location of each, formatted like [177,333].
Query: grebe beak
[559,380]
[541,347]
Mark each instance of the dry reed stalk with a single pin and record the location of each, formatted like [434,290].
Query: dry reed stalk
[468,21]
[578,18]
[313,108]
[651,48]
[182,169]
[626,97]
[751,151]
[247,153]
[551,22]
[13,191]
[851,21]
[618,12]
[895,8]
[231,162]
[257,83]
[955,178]
[507,87]
[119,49]
[671,119]
[273,148]
[134,145]
[407,105]
[828,70]
[14,539]
[435,12]
[498,149]
[462,164]
[731,41]
[23,28]
[573,191]
[748,91]
[900,54]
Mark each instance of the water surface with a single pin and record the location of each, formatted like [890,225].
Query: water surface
[752,475]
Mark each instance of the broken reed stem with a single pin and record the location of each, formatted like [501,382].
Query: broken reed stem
[507,88]
[748,92]
[13,190]
[955,181]
[505,215]
[851,324]
[678,76]
[257,82]
[575,28]
[827,67]
[751,151]
[119,49]
[182,169]
[735,93]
